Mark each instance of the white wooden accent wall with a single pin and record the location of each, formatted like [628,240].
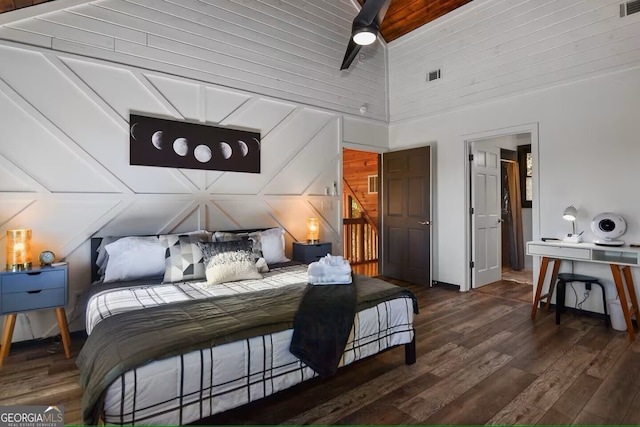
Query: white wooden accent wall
[72,71]
[494,49]
[289,49]
[65,173]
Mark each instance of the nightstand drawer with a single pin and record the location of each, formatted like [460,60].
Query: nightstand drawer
[33,300]
[309,253]
[33,281]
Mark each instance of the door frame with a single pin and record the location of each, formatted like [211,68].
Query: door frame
[369,149]
[531,128]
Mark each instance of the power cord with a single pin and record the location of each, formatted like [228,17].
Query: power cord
[574,293]
[578,305]
[586,295]
[33,336]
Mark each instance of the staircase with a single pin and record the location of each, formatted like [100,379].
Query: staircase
[360,233]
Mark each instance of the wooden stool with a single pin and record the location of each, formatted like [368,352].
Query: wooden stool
[564,278]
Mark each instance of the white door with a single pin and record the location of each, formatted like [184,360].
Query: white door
[486,218]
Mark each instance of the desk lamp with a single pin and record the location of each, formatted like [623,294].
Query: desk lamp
[570,214]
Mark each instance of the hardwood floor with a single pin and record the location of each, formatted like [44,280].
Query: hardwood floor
[481,360]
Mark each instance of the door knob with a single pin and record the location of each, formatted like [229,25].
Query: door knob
[424,222]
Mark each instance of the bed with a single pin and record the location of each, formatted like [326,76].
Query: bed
[223,366]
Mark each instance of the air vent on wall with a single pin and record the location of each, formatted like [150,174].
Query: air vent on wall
[629,8]
[435,74]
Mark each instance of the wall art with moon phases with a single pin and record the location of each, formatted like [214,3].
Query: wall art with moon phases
[168,143]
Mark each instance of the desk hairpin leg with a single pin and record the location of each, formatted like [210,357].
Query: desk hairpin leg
[541,277]
[617,278]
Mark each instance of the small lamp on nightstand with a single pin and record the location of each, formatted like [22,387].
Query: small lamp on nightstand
[19,249]
[313,230]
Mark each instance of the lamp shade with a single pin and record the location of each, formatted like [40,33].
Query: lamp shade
[570,213]
[19,249]
[313,230]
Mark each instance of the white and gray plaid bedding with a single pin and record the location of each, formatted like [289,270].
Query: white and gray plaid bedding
[201,383]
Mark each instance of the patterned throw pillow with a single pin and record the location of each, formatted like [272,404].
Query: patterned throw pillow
[229,261]
[183,257]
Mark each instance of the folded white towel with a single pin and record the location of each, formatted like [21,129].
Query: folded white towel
[317,269]
[334,279]
[329,265]
[332,260]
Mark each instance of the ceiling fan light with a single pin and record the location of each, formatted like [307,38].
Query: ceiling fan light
[364,36]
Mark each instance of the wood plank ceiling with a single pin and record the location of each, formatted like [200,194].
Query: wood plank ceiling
[402,17]
[9,5]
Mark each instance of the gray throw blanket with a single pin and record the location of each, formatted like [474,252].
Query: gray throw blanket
[322,325]
[124,341]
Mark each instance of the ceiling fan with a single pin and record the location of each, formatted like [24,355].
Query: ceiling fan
[365,28]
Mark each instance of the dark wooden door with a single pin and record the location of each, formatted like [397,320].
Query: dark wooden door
[406,200]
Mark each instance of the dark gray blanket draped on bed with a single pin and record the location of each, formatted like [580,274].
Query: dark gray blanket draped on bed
[124,341]
[322,325]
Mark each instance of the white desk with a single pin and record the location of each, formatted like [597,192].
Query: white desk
[619,259]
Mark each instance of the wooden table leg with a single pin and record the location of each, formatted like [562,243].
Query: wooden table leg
[617,278]
[64,330]
[541,277]
[554,279]
[628,278]
[9,324]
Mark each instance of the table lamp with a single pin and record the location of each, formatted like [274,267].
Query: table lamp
[570,214]
[19,249]
[313,230]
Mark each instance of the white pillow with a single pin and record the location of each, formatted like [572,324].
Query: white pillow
[133,258]
[272,245]
[103,257]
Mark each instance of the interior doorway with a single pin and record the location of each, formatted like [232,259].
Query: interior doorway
[501,214]
[361,207]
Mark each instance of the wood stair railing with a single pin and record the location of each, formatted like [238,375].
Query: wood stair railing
[360,234]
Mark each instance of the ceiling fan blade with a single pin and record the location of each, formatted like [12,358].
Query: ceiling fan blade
[372,12]
[352,51]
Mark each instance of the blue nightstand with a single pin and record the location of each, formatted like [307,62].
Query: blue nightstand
[35,289]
